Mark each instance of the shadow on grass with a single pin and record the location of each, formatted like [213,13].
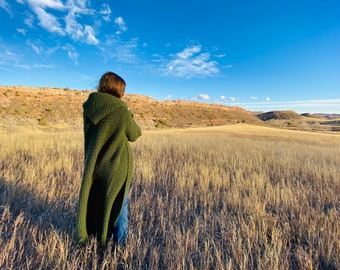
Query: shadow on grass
[37,208]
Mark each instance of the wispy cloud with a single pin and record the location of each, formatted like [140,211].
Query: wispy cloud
[201,97]
[265,104]
[23,66]
[6,54]
[9,70]
[73,28]
[41,50]
[71,53]
[74,21]
[43,66]
[124,51]
[220,55]
[224,100]
[5,6]
[121,25]
[300,106]
[36,47]
[67,24]
[90,35]
[29,21]
[79,32]
[22,31]
[190,63]
[33,66]
[48,21]
[105,12]
[53,4]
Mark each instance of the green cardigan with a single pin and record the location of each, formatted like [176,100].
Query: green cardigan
[108,164]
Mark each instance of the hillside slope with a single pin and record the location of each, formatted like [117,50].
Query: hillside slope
[57,108]
[289,119]
[285,115]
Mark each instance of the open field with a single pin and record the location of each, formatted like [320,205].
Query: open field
[229,197]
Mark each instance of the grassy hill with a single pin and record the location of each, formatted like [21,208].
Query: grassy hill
[289,119]
[287,114]
[62,108]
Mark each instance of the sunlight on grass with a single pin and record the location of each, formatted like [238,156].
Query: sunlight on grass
[234,197]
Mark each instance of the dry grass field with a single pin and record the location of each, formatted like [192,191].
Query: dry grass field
[232,197]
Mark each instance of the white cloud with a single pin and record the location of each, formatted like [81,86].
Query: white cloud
[52,4]
[105,12]
[267,98]
[254,98]
[42,66]
[29,21]
[122,51]
[189,52]
[7,55]
[51,50]
[73,28]
[90,35]
[191,63]
[300,106]
[22,31]
[201,97]
[120,23]
[9,70]
[72,53]
[68,22]
[81,3]
[220,55]
[23,66]
[73,56]
[78,32]
[5,6]
[232,99]
[37,48]
[48,21]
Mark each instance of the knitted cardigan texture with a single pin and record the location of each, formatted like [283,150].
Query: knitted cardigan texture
[108,164]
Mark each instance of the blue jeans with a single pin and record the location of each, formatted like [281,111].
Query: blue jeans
[121,227]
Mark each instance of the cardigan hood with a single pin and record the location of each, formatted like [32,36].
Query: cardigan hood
[99,105]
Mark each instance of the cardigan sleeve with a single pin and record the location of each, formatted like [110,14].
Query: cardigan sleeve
[132,131]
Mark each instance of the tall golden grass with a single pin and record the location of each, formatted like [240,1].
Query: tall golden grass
[233,197]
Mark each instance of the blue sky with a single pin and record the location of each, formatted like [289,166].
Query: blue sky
[261,55]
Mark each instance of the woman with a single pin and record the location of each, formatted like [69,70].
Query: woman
[108,164]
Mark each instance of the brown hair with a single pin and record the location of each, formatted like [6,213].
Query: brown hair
[113,84]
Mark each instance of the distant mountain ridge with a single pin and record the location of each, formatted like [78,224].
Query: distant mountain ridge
[286,114]
[322,115]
